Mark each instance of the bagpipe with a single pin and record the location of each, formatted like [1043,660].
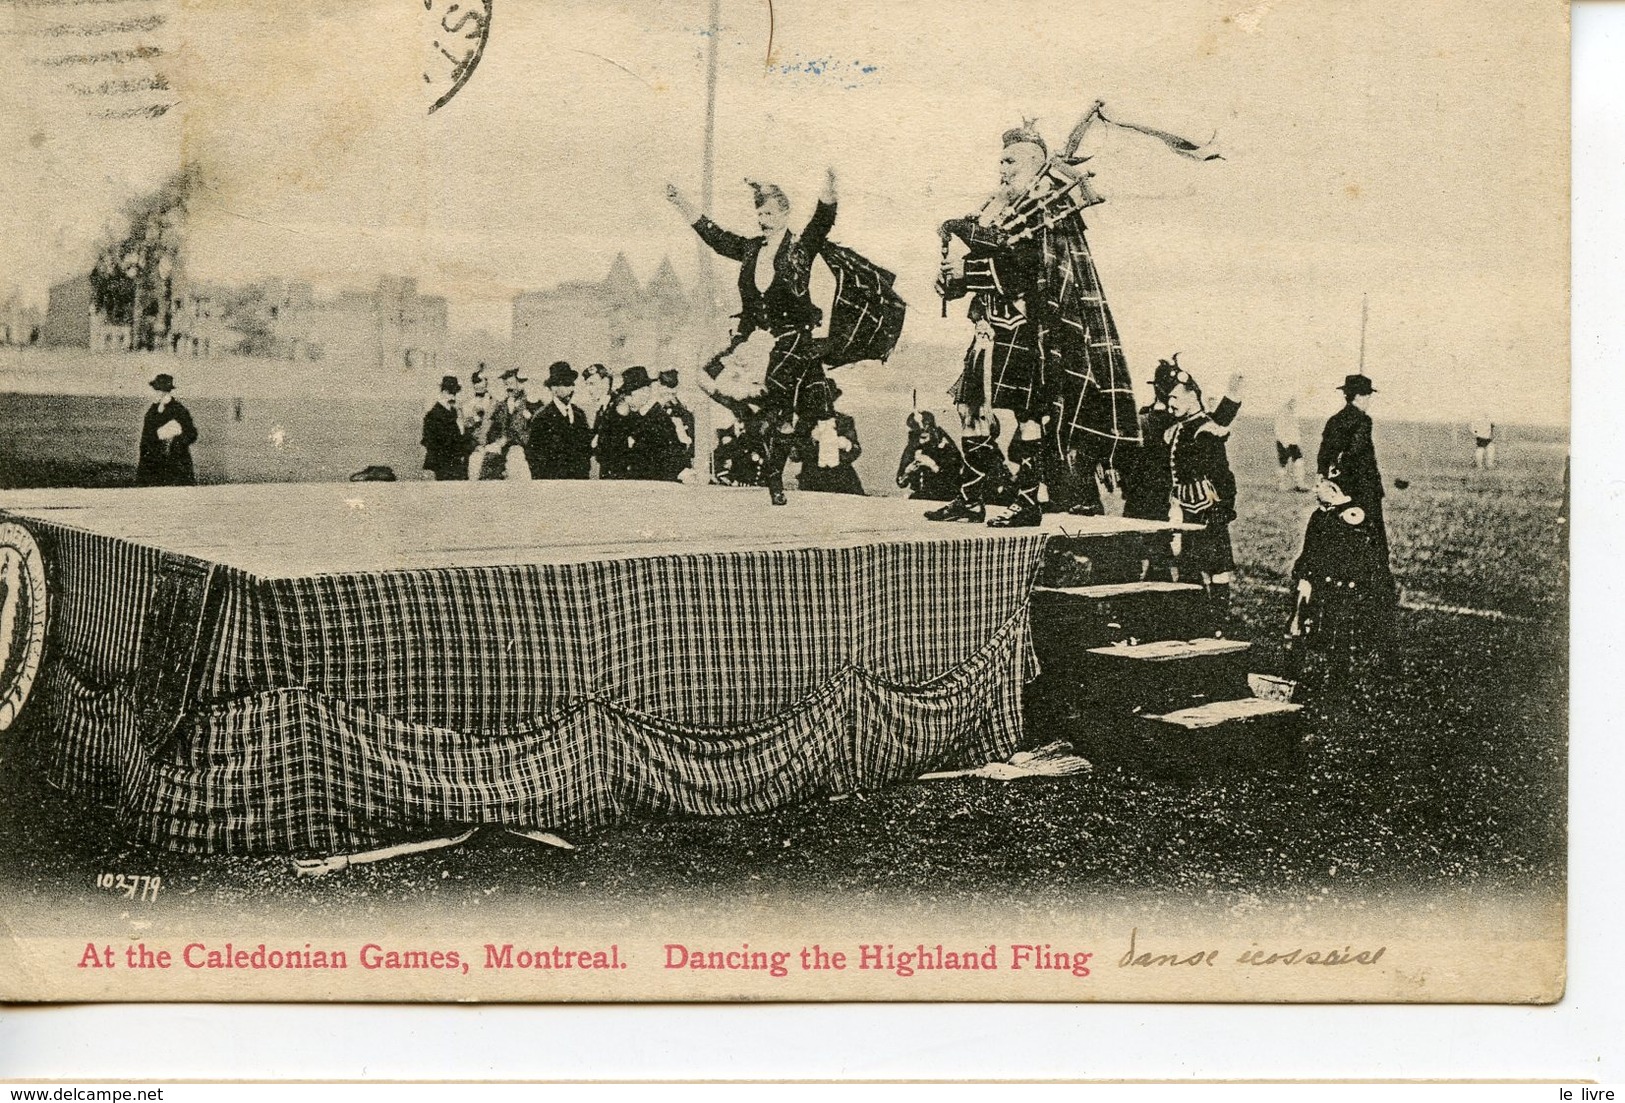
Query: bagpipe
[1059,190]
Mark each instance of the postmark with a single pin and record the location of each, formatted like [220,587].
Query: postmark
[24,603]
[456,32]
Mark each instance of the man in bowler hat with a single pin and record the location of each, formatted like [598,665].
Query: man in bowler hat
[653,448]
[445,445]
[682,418]
[167,436]
[1347,454]
[560,436]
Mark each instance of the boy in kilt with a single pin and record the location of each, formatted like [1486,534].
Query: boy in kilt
[1205,490]
[1146,469]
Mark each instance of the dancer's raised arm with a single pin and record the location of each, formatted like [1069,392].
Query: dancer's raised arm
[823,217]
[722,242]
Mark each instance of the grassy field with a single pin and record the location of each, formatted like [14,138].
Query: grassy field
[1449,774]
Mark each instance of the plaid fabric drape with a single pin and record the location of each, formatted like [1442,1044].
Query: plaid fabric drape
[330,712]
[1095,399]
[867,315]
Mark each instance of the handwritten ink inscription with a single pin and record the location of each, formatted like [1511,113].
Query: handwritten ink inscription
[457,35]
[1138,957]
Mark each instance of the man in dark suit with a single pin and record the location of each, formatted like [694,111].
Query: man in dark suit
[653,448]
[560,437]
[167,436]
[445,445]
[1346,449]
[682,418]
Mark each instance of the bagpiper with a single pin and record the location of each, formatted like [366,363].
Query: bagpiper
[1045,346]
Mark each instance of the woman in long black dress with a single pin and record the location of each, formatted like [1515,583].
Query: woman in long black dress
[775,269]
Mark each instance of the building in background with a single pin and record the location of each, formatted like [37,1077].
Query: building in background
[72,320]
[389,328]
[383,332]
[19,324]
[615,321]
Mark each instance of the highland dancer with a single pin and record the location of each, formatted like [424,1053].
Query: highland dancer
[775,268]
[776,381]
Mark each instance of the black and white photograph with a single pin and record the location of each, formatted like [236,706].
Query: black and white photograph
[760,500]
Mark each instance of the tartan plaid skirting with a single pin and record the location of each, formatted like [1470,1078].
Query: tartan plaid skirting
[223,712]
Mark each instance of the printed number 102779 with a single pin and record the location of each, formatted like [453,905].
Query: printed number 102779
[133,886]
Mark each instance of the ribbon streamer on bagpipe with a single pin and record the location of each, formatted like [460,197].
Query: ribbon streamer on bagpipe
[1061,188]
[1182,146]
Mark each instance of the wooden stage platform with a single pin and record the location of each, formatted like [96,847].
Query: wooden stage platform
[320,668]
[296,530]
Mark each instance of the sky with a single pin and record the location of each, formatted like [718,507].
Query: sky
[1413,154]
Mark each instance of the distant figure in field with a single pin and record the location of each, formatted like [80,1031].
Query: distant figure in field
[930,469]
[1483,442]
[445,445]
[167,436]
[1345,446]
[1289,447]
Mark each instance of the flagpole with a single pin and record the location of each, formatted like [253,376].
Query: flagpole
[705,301]
[706,295]
[1362,331]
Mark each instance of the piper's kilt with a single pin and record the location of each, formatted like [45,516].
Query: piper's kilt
[1206,549]
[1017,373]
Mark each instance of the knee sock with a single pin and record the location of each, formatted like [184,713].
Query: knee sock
[981,457]
[1085,486]
[1027,453]
[776,447]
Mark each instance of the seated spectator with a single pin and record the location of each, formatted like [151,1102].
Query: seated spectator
[931,468]
[827,448]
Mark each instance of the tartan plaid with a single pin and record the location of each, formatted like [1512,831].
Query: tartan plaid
[1095,400]
[867,315]
[334,712]
[1019,381]
[795,381]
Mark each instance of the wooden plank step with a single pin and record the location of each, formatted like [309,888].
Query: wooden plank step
[1119,589]
[1166,651]
[1087,528]
[1215,713]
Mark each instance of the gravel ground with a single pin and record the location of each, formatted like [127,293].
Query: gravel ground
[1450,773]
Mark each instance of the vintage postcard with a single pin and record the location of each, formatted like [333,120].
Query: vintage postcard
[775,500]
